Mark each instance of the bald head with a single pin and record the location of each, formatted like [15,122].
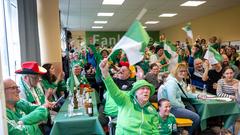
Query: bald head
[11,91]
[8,82]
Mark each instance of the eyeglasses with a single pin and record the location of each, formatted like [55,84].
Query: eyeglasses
[183,71]
[13,87]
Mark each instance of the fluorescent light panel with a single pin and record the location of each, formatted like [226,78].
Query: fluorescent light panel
[167,15]
[113,2]
[151,22]
[97,27]
[105,14]
[192,3]
[100,22]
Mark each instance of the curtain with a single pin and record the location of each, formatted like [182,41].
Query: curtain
[28,31]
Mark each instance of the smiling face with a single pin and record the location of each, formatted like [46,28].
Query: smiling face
[182,73]
[143,95]
[155,70]
[77,70]
[198,64]
[228,74]
[164,108]
[11,91]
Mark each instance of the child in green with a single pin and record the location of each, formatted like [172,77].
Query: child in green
[167,121]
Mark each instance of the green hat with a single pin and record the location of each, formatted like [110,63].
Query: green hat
[140,83]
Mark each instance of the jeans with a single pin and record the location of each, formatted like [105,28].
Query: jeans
[185,113]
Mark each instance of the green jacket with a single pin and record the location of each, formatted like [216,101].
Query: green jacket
[132,118]
[110,107]
[30,114]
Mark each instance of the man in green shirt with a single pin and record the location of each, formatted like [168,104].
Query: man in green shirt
[167,121]
[22,116]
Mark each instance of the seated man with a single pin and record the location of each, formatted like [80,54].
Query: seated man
[197,72]
[30,87]
[167,120]
[76,78]
[213,76]
[22,116]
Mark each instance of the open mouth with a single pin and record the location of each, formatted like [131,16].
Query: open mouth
[146,95]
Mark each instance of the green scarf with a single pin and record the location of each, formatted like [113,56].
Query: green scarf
[29,95]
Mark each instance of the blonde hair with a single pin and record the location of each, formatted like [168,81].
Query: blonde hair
[177,68]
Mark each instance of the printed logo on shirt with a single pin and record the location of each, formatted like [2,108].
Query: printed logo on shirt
[150,109]
[22,113]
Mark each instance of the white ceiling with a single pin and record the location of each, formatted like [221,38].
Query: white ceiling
[80,14]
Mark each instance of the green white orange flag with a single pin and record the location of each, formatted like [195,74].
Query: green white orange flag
[188,30]
[213,56]
[133,43]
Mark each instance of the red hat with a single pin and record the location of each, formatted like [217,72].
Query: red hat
[31,67]
[123,63]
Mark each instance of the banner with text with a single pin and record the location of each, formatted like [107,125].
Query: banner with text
[110,38]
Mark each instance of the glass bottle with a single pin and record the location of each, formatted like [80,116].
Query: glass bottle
[90,107]
[75,101]
[204,92]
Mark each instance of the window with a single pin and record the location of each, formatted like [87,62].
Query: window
[10,45]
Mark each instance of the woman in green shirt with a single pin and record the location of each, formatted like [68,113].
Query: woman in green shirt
[52,82]
[167,121]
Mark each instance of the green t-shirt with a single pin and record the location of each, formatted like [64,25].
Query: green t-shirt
[166,127]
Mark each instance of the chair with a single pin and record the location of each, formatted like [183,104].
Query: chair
[112,125]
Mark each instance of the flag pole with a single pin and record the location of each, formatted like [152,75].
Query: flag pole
[139,17]
[141,14]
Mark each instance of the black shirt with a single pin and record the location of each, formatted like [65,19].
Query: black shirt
[213,77]
[124,85]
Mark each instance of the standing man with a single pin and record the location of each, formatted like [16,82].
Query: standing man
[22,116]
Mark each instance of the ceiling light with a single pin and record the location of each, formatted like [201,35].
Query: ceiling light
[105,14]
[151,22]
[192,3]
[167,15]
[100,22]
[97,27]
[112,2]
